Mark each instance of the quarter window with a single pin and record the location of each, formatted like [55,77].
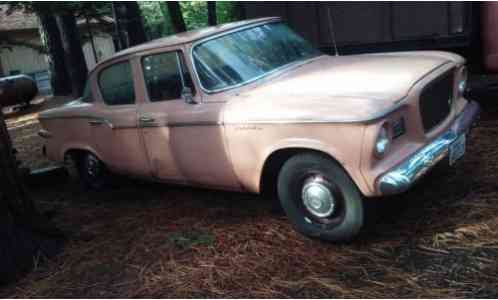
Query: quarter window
[116,84]
[165,76]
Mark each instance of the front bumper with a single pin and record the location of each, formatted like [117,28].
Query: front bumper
[403,176]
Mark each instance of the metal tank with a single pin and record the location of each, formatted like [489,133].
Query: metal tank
[15,90]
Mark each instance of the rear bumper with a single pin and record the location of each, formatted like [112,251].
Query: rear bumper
[403,176]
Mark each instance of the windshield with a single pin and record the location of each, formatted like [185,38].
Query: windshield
[246,55]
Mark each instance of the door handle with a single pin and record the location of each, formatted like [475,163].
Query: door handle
[147,120]
[98,122]
[95,122]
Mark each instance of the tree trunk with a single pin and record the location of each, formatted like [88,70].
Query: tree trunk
[59,78]
[211,8]
[22,232]
[239,10]
[73,52]
[92,42]
[118,39]
[175,13]
[133,23]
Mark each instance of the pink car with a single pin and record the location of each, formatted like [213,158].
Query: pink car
[250,106]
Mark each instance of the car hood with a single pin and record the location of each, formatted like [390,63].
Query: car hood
[344,88]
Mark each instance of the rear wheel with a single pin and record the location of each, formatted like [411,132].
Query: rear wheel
[92,172]
[320,198]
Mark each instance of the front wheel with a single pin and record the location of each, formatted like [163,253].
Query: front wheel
[320,198]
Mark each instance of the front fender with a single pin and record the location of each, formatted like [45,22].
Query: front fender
[251,149]
[76,146]
[307,144]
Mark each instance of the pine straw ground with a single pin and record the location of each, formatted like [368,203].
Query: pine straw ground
[148,240]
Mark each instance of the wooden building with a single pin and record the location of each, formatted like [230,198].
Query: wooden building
[21,50]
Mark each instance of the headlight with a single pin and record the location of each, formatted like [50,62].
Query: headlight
[462,83]
[383,141]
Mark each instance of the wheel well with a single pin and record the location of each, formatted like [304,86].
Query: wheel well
[75,154]
[272,166]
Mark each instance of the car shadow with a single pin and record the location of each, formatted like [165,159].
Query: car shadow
[393,217]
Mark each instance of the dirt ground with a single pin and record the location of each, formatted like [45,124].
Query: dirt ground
[440,239]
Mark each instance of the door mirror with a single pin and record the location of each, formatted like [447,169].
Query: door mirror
[188,96]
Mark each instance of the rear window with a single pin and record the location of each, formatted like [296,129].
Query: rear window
[116,84]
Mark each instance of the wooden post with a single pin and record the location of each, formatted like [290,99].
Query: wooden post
[211,8]
[175,14]
[24,233]
[73,52]
[92,43]
[13,188]
[1,69]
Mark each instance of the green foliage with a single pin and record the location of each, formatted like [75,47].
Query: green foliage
[194,14]
[157,21]
[225,12]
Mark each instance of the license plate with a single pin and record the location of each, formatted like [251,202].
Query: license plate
[457,149]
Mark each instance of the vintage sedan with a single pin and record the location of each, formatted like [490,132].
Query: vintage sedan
[251,106]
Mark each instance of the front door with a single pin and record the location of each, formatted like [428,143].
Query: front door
[184,139]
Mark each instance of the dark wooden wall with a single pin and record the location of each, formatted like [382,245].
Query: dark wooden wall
[372,26]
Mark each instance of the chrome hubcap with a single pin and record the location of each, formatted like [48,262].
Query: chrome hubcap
[93,167]
[317,197]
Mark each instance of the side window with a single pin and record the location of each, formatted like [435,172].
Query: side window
[116,84]
[165,76]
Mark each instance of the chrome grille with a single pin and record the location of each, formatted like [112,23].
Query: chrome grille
[436,99]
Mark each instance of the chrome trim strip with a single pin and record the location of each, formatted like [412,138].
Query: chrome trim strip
[66,117]
[181,124]
[100,121]
[324,121]
[90,118]
[402,177]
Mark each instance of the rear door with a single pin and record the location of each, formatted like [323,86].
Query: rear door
[115,128]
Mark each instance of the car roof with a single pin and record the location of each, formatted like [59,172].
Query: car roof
[188,37]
